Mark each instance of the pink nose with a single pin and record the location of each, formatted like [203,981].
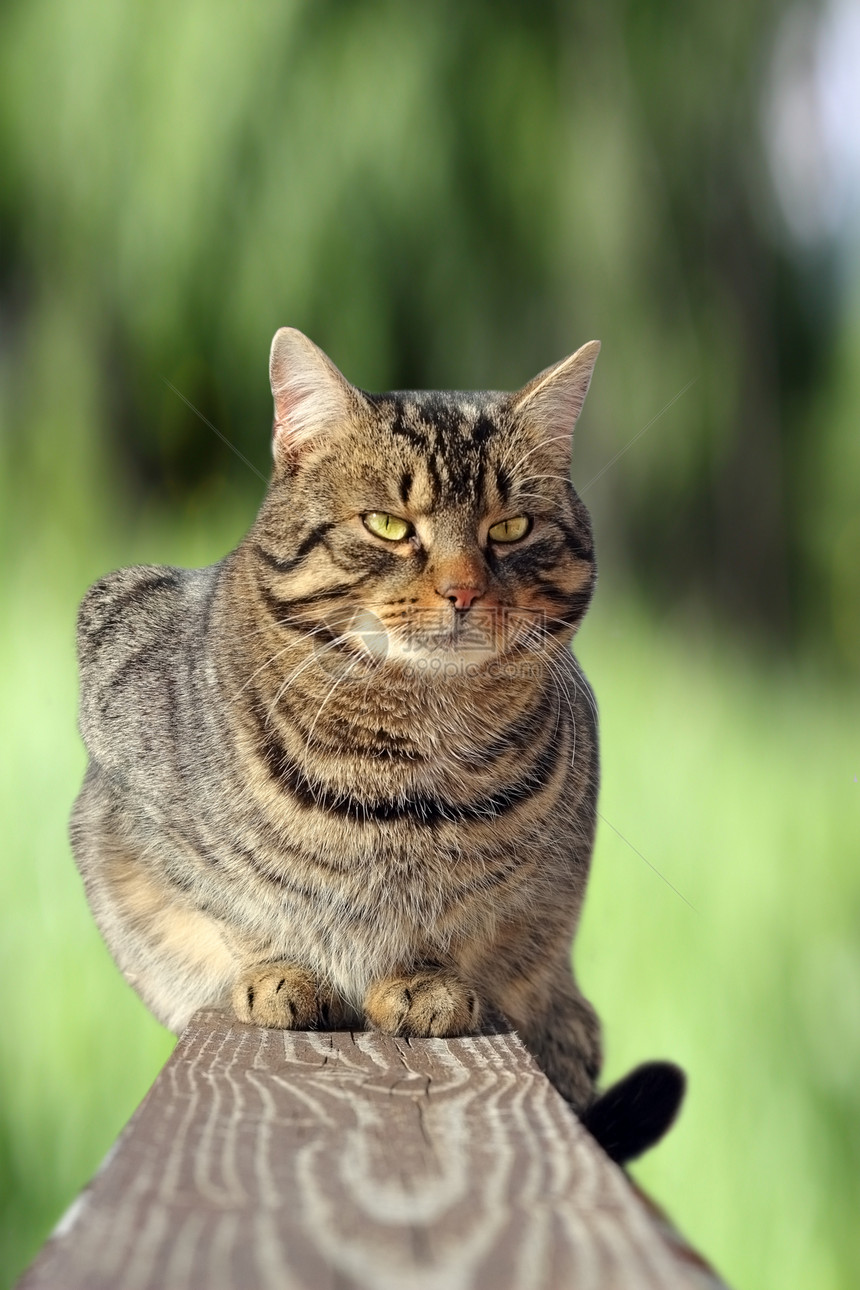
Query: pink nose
[461,597]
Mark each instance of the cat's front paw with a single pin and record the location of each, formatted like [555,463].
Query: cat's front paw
[279,996]
[423,1004]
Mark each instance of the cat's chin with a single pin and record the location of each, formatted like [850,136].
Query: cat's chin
[442,660]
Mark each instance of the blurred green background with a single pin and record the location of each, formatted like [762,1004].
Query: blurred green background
[456,195]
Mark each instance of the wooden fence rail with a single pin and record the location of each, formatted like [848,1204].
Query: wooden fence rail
[352,1161]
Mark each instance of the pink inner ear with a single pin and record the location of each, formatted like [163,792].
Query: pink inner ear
[311,396]
[288,398]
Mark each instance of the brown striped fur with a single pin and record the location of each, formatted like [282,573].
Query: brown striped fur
[317,787]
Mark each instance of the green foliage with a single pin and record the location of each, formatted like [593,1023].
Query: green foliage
[440,195]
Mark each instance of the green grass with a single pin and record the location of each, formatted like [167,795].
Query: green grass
[735,779]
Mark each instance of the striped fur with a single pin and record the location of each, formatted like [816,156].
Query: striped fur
[318,788]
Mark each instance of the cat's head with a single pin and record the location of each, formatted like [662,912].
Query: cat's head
[426,529]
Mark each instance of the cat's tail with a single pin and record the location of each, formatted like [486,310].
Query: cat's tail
[633,1114]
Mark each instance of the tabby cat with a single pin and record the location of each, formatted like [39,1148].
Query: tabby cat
[348,775]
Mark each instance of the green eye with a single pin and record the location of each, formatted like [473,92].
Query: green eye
[511,530]
[382,525]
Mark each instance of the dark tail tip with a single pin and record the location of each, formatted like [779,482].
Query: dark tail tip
[633,1114]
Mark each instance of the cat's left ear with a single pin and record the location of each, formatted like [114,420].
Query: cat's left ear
[553,401]
[311,396]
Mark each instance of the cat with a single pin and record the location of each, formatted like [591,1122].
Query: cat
[348,775]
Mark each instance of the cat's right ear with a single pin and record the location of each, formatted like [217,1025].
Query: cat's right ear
[311,396]
[553,401]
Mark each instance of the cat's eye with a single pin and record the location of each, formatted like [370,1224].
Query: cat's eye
[511,530]
[383,525]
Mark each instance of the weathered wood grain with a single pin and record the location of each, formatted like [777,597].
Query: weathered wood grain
[339,1161]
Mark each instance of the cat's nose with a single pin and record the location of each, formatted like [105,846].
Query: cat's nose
[461,597]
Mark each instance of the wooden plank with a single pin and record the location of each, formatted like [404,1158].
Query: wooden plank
[339,1161]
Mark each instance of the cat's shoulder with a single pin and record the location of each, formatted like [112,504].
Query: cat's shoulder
[128,601]
[130,607]
[139,630]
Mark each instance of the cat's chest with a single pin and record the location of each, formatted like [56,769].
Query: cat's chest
[404,826]
[401,867]
[396,851]
[381,900]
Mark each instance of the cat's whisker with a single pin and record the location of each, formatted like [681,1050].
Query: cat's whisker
[558,711]
[552,618]
[527,479]
[273,658]
[287,623]
[337,682]
[576,675]
[586,689]
[314,658]
[555,672]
